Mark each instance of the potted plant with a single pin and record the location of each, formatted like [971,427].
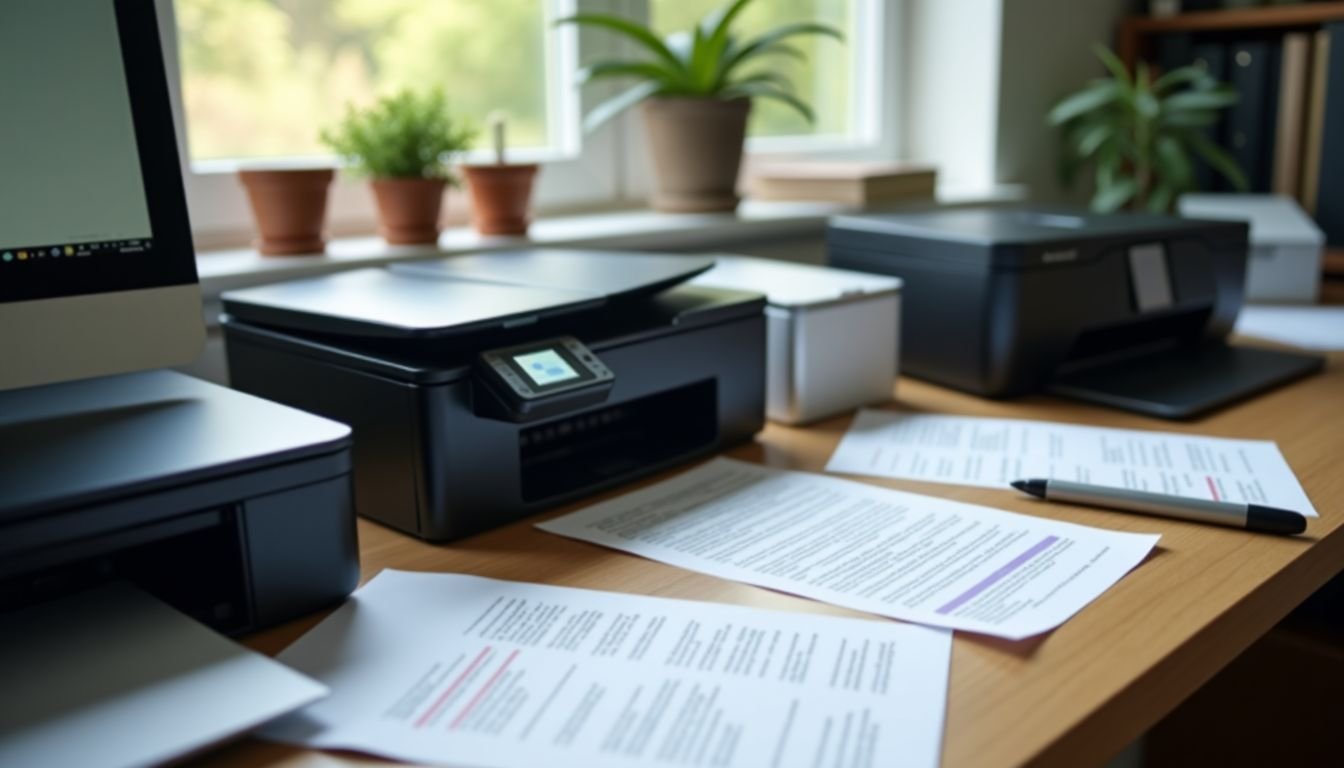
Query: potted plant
[290,208]
[404,143]
[501,192]
[695,90]
[1140,134]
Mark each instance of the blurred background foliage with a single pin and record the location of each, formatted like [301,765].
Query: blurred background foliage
[260,78]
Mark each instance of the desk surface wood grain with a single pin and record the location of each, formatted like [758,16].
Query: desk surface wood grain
[1073,697]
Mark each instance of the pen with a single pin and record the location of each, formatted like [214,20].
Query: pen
[1252,517]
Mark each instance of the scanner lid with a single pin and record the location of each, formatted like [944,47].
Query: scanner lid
[995,232]
[611,274]
[460,295]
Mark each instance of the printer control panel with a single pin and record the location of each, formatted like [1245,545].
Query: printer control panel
[545,378]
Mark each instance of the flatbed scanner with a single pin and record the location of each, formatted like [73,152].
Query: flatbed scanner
[233,510]
[485,387]
[1125,310]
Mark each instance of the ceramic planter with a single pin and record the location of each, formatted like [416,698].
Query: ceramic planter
[290,208]
[501,197]
[408,209]
[697,149]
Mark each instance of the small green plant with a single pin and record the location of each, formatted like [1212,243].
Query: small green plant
[1140,134]
[404,135]
[706,62]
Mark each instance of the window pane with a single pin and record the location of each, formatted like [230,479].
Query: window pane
[260,78]
[823,80]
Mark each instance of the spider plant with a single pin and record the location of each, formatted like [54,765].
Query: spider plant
[708,61]
[1141,134]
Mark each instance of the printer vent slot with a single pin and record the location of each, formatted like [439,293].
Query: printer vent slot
[193,563]
[609,442]
[1099,346]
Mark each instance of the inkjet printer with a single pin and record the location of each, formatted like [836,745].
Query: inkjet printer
[483,388]
[1126,310]
[233,510]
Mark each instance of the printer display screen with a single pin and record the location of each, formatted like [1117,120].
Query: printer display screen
[545,366]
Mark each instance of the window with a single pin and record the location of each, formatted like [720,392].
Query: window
[256,80]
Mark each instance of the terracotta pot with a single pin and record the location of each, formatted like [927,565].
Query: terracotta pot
[408,209]
[697,150]
[501,196]
[290,208]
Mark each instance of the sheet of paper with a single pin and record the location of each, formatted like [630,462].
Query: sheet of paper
[113,677]
[467,671]
[1319,328]
[991,453]
[911,557]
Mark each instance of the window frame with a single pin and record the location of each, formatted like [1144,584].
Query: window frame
[605,169]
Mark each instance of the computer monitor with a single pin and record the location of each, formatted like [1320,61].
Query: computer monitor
[97,271]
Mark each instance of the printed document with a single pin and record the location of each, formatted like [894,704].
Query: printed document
[467,671]
[902,555]
[992,453]
[114,677]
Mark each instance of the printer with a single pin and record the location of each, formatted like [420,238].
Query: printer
[482,388]
[1126,310]
[233,510]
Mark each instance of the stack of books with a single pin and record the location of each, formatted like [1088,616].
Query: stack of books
[855,184]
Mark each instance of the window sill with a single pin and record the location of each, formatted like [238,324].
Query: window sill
[753,223]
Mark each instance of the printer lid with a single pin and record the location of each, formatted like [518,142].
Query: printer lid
[611,274]
[78,443]
[459,295]
[992,228]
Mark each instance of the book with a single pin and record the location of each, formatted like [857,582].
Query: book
[1212,57]
[1330,188]
[860,184]
[1251,120]
[1294,69]
[1315,128]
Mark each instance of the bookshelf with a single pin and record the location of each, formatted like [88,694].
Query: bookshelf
[1135,31]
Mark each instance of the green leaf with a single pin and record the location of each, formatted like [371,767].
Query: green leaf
[1111,198]
[1159,200]
[1217,158]
[619,103]
[1190,74]
[768,91]
[1190,118]
[1114,65]
[1172,162]
[1089,138]
[776,35]
[630,29]
[1188,100]
[1084,101]
[718,33]
[644,69]
[775,78]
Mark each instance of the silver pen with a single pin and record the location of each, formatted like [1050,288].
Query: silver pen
[1251,517]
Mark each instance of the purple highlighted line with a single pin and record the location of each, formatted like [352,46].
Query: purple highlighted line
[1004,570]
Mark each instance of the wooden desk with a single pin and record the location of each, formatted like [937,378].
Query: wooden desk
[1074,697]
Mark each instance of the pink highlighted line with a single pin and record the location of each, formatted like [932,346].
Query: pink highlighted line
[484,690]
[1213,488]
[434,708]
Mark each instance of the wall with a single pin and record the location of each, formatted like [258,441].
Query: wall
[1045,54]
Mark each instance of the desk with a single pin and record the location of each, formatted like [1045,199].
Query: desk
[1073,697]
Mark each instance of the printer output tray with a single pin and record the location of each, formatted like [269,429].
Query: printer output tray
[1184,382]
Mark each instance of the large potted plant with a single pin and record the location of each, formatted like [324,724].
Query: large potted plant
[1141,134]
[404,143]
[695,90]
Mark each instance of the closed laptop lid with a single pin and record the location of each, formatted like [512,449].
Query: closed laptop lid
[611,274]
[394,303]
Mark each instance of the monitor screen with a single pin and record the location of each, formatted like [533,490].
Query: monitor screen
[97,269]
[75,213]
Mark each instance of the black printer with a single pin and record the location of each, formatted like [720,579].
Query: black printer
[485,387]
[233,510]
[1127,310]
